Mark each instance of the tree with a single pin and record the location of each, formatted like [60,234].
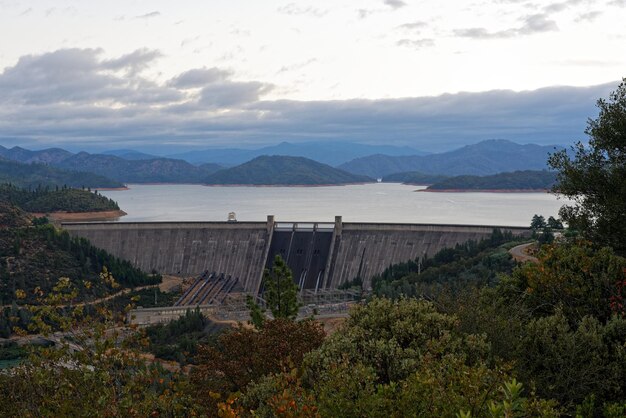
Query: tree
[595,178]
[538,222]
[554,223]
[280,290]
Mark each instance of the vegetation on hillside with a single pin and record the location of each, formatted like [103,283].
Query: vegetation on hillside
[481,159]
[39,175]
[33,258]
[45,199]
[282,170]
[156,170]
[516,180]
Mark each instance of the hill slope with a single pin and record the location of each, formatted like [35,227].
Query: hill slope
[157,170]
[517,180]
[34,175]
[129,167]
[483,158]
[283,170]
[43,200]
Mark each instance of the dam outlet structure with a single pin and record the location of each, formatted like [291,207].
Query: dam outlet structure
[322,256]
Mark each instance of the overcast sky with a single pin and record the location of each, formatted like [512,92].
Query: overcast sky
[431,74]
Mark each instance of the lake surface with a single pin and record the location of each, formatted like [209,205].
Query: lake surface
[379,202]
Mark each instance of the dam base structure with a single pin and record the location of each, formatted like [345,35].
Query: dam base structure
[322,256]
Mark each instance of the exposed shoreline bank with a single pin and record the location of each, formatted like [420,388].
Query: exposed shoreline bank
[484,190]
[109,215]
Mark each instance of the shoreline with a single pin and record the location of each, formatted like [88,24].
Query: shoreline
[108,215]
[108,189]
[244,185]
[484,190]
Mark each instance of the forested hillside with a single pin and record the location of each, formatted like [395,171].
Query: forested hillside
[483,158]
[282,170]
[35,175]
[517,180]
[45,199]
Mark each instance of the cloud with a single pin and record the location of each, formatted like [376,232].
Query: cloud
[559,7]
[618,3]
[413,25]
[199,77]
[77,99]
[533,24]
[149,15]
[134,62]
[395,4]
[589,16]
[294,10]
[416,43]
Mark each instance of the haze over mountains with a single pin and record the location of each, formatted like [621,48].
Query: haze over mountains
[129,166]
[331,153]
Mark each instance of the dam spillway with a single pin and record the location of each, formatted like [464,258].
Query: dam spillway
[320,255]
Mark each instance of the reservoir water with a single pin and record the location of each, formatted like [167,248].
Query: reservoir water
[379,202]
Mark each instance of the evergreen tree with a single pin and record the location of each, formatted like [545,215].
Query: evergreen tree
[280,290]
[595,178]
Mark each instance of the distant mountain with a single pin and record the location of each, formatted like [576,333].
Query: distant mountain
[132,169]
[33,175]
[46,156]
[331,153]
[413,177]
[129,154]
[158,170]
[517,180]
[483,158]
[284,170]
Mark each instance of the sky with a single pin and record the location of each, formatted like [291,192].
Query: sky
[161,76]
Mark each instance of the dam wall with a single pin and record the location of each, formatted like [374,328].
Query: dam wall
[364,250]
[185,248]
[321,256]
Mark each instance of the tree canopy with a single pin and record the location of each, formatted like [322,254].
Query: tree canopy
[595,177]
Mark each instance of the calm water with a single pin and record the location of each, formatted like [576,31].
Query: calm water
[382,202]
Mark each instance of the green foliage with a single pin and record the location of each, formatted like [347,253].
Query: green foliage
[178,340]
[573,277]
[357,283]
[570,362]
[596,177]
[40,175]
[281,293]
[30,258]
[517,180]
[279,169]
[450,269]
[538,222]
[91,371]
[45,200]
[242,356]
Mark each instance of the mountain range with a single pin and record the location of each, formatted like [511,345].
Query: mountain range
[483,158]
[155,170]
[128,166]
[331,153]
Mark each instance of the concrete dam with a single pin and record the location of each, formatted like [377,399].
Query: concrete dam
[320,255]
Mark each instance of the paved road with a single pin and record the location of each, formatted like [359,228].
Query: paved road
[519,253]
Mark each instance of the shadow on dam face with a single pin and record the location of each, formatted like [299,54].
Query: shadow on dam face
[321,256]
